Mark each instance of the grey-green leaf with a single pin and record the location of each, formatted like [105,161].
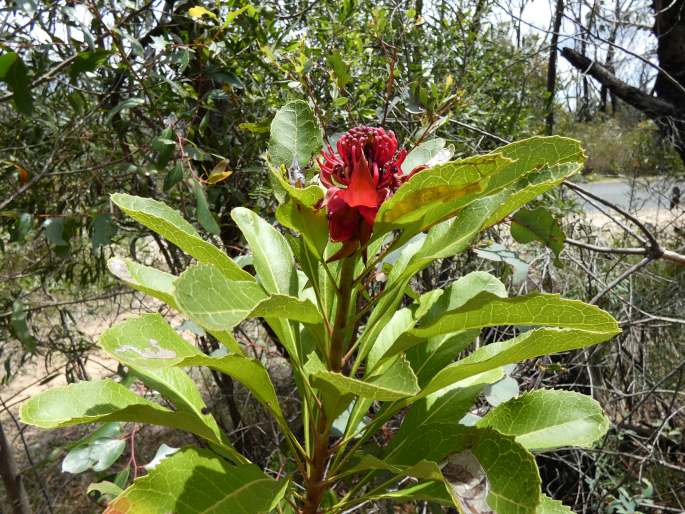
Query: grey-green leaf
[423,153]
[295,135]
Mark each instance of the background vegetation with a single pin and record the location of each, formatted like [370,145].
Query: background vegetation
[173,100]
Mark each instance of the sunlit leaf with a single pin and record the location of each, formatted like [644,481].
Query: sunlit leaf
[194,481]
[198,12]
[548,419]
[169,224]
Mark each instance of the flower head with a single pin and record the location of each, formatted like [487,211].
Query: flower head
[365,171]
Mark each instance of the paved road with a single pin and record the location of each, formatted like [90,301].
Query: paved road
[647,194]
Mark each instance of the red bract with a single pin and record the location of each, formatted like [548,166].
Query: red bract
[359,178]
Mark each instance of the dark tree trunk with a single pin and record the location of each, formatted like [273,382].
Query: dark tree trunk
[14,485]
[667,109]
[584,111]
[552,68]
[609,63]
[669,28]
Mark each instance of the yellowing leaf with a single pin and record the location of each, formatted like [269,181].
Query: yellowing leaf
[219,173]
[198,12]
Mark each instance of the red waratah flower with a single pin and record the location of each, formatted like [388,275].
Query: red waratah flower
[358,179]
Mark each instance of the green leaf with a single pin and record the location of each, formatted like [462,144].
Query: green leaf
[401,321]
[129,103]
[308,196]
[21,227]
[475,455]
[528,345]
[204,216]
[453,236]
[446,406]
[535,153]
[423,153]
[446,239]
[148,342]
[145,279]
[340,70]
[20,328]
[98,451]
[105,488]
[7,61]
[169,224]
[548,419]
[437,193]
[173,176]
[160,285]
[219,304]
[538,224]
[164,145]
[54,231]
[538,309]
[312,223]
[431,356]
[550,506]
[273,258]
[14,73]
[195,481]
[104,401]
[103,230]
[295,135]
[530,187]
[464,289]
[176,386]
[298,211]
[456,295]
[423,470]
[88,61]
[395,383]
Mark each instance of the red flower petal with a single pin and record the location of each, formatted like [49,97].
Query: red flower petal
[343,220]
[362,188]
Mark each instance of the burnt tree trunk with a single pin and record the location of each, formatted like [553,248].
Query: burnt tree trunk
[667,109]
[14,485]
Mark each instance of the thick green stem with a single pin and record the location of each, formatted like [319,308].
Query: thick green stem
[342,314]
[315,481]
